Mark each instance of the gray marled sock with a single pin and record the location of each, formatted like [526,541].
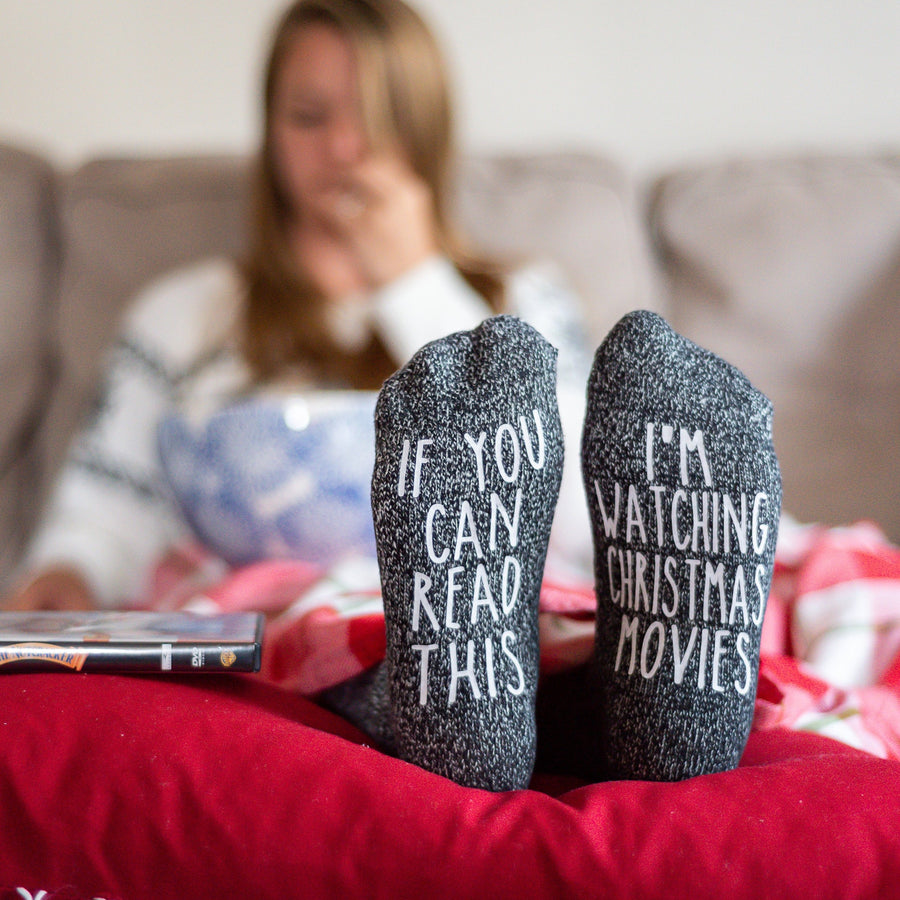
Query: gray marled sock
[684,492]
[469,455]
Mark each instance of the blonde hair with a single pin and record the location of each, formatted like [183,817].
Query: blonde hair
[405,102]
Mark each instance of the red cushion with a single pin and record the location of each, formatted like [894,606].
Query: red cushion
[226,787]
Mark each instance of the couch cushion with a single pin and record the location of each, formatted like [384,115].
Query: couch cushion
[27,278]
[791,269]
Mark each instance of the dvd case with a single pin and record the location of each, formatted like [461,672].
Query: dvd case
[130,641]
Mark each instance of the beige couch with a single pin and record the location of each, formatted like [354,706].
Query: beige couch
[788,267]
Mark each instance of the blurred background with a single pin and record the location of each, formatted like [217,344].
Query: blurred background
[653,82]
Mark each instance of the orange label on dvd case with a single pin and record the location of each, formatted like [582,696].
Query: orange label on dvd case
[62,656]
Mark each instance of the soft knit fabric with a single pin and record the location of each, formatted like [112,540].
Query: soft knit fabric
[469,456]
[112,515]
[684,491]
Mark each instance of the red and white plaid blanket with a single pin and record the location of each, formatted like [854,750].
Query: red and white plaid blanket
[830,647]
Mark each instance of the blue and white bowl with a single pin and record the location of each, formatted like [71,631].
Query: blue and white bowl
[277,477]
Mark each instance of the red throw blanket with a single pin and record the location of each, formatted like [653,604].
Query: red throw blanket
[830,647]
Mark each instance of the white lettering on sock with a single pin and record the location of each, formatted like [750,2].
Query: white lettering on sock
[704,653]
[695,443]
[680,544]
[704,541]
[657,629]
[509,595]
[508,476]
[537,461]
[468,673]
[614,595]
[681,661]
[478,450]
[610,525]
[482,595]
[761,592]
[739,598]
[404,462]
[718,650]
[714,577]
[489,664]
[519,689]
[760,528]
[743,641]
[635,519]
[629,630]
[452,589]
[668,568]
[738,522]
[512,527]
[429,534]
[421,459]
[422,585]
[423,650]
[466,521]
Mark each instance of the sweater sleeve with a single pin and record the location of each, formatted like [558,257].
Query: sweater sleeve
[111,513]
[428,302]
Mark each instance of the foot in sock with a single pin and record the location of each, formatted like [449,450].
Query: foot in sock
[469,456]
[684,492]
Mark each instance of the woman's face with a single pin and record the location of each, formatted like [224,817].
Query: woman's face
[317,129]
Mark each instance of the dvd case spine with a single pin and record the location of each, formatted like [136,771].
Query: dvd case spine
[32,656]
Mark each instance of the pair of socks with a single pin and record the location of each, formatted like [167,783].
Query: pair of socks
[684,493]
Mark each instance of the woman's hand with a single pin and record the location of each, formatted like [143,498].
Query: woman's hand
[383,216]
[60,589]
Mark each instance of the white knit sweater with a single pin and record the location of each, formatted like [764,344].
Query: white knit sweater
[111,514]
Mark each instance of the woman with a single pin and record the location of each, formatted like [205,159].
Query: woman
[353,265]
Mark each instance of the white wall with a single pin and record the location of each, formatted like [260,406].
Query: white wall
[653,82]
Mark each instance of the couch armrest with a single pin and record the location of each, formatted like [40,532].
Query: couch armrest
[28,272]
